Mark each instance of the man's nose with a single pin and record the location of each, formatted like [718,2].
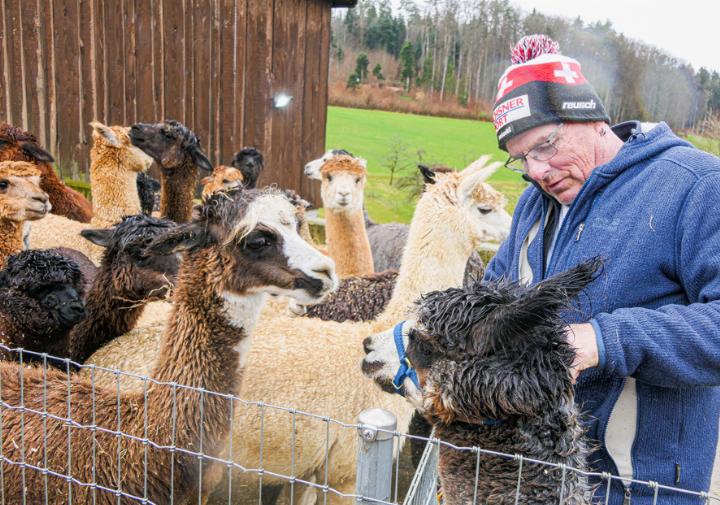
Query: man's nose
[537,170]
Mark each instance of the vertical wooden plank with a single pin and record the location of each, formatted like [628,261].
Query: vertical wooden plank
[114,65]
[239,66]
[202,78]
[315,94]
[98,61]
[131,105]
[215,127]
[4,90]
[288,60]
[226,123]
[143,42]
[258,80]
[31,50]
[48,19]
[13,69]
[66,85]
[189,58]
[42,72]
[173,59]
[87,104]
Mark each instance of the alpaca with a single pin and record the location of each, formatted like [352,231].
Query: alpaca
[492,370]
[41,299]
[21,200]
[251,163]
[114,165]
[343,183]
[127,280]
[222,178]
[147,188]
[19,145]
[88,270]
[243,245]
[282,365]
[176,149]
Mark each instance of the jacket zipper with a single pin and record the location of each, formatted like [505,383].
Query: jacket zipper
[579,231]
[626,487]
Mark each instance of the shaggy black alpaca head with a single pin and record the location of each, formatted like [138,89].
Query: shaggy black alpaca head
[53,281]
[126,256]
[147,188]
[170,144]
[250,162]
[489,350]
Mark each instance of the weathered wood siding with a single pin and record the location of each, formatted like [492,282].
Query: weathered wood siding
[212,64]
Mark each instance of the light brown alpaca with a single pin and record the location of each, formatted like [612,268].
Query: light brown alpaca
[223,177]
[343,183]
[21,200]
[243,245]
[114,165]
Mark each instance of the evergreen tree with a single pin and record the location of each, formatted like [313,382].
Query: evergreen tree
[377,72]
[361,66]
[407,64]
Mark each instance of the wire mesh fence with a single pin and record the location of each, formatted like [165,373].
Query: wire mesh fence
[64,439]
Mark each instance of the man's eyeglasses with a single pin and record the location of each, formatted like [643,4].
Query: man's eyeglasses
[541,152]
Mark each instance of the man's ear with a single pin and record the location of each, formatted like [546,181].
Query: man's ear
[36,152]
[99,236]
[181,238]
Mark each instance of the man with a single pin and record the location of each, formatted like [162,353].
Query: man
[648,330]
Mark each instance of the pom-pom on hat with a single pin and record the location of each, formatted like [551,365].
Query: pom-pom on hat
[542,86]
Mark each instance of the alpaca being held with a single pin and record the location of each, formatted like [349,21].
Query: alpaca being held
[41,299]
[176,149]
[282,365]
[342,189]
[244,244]
[114,165]
[19,145]
[493,371]
[21,200]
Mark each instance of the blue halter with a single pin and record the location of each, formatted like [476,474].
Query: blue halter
[406,369]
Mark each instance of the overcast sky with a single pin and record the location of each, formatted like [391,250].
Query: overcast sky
[688,30]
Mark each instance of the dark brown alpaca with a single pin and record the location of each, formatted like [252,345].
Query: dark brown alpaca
[243,244]
[19,145]
[176,149]
[126,281]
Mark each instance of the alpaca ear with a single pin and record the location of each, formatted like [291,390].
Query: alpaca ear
[474,270]
[181,238]
[4,280]
[100,130]
[199,158]
[36,152]
[427,173]
[206,180]
[99,236]
[362,162]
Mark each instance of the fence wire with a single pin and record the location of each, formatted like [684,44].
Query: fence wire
[30,472]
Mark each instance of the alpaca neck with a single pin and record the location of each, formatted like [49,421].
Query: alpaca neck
[114,191]
[204,346]
[434,258]
[348,243]
[110,312]
[12,239]
[176,193]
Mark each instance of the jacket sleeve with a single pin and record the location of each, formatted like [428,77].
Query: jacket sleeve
[675,345]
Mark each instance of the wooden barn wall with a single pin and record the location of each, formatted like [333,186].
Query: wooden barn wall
[212,64]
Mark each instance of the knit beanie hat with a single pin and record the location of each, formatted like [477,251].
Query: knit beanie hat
[540,87]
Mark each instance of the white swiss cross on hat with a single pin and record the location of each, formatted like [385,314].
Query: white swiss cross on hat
[546,68]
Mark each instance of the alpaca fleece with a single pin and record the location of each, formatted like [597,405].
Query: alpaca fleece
[147,188]
[40,301]
[251,163]
[17,144]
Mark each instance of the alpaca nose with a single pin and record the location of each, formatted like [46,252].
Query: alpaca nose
[324,271]
[344,193]
[40,197]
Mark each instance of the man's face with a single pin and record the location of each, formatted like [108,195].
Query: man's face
[566,171]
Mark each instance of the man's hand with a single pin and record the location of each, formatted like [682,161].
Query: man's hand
[582,338]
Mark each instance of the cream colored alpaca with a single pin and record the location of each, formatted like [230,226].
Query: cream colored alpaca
[342,189]
[114,165]
[314,365]
[21,201]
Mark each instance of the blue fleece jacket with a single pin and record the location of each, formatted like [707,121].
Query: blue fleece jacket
[650,212]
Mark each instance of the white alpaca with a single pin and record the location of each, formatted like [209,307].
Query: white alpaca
[314,365]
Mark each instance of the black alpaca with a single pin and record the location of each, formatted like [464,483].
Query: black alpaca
[251,163]
[493,367]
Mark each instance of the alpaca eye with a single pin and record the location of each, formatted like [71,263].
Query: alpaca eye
[484,210]
[357,181]
[257,243]
[329,178]
[4,184]
[167,134]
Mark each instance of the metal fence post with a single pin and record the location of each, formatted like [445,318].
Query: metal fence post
[375,454]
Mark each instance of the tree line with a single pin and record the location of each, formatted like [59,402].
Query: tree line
[459,48]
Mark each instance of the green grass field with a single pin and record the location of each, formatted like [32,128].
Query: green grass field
[453,142]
